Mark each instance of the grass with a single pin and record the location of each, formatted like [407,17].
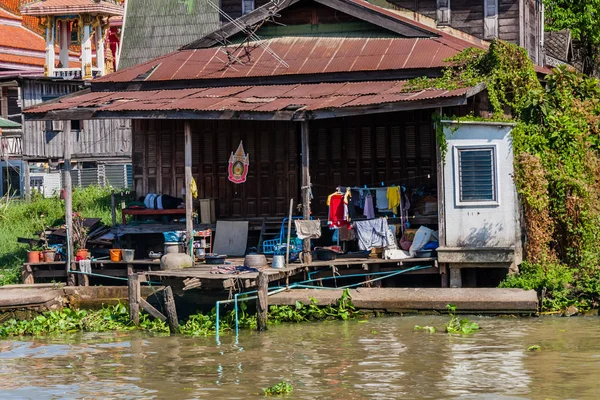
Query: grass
[19,218]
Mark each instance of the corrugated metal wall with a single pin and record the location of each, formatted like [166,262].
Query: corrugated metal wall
[157,27]
[98,140]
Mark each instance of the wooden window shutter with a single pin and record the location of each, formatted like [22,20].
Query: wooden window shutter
[490,21]
[443,12]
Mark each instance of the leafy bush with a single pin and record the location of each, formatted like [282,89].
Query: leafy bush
[19,218]
[559,285]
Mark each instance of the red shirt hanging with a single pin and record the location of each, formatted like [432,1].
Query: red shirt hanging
[337,214]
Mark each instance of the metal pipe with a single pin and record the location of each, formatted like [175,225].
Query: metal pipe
[301,285]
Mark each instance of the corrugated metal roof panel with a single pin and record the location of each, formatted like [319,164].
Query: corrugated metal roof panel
[157,27]
[304,55]
[252,98]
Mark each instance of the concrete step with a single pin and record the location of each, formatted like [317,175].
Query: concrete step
[466,300]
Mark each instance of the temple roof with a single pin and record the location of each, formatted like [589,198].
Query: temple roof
[59,7]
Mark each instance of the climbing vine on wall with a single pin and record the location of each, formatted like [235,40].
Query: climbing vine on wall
[556,144]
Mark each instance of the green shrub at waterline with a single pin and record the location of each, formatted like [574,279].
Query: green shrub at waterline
[559,285]
[19,218]
[116,318]
[109,318]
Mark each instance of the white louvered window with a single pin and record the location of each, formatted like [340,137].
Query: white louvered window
[443,12]
[476,176]
[490,22]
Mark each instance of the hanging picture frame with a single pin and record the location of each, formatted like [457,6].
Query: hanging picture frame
[238,165]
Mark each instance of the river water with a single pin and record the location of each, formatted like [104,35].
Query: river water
[382,358]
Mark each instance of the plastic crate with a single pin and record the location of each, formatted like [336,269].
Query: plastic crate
[275,246]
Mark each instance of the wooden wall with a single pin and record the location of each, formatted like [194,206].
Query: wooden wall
[468,16]
[392,148]
[398,148]
[98,140]
[273,177]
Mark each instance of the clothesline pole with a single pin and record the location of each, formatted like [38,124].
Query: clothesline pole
[304,139]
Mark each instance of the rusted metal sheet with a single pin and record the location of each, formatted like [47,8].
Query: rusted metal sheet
[304,55]
[252,98]
[307,97]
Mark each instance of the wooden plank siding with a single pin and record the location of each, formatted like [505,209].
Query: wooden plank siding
[367,150]
[426,7]
[394,148]
[272,176]
[508,20]
[468,15]
[98,140]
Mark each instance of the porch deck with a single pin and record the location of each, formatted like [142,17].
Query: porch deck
[201,277]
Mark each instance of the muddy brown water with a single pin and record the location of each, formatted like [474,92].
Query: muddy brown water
[383,358]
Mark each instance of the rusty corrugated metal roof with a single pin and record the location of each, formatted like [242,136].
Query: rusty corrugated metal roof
[307,97]
[304,55]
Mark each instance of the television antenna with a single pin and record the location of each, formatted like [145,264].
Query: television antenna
[251,35]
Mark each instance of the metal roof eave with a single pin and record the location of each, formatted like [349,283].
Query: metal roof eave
[281,115]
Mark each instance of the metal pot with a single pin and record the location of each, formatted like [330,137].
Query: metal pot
[173,247]
[255,261]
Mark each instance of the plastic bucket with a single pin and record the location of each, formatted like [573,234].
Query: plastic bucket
[278,262]
[128,254]
[115,255]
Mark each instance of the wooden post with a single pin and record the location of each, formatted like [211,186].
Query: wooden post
[113,208]
[441,189]
[376,268]
[455,277]
[189,222]
[304,137]
[27,183]
[262,303]
[134,293]
[27,275]
[68,193]
[289,232]
[171,310]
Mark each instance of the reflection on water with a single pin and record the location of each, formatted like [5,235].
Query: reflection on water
[382,358]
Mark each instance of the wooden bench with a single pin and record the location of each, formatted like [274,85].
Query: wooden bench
[146,211]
